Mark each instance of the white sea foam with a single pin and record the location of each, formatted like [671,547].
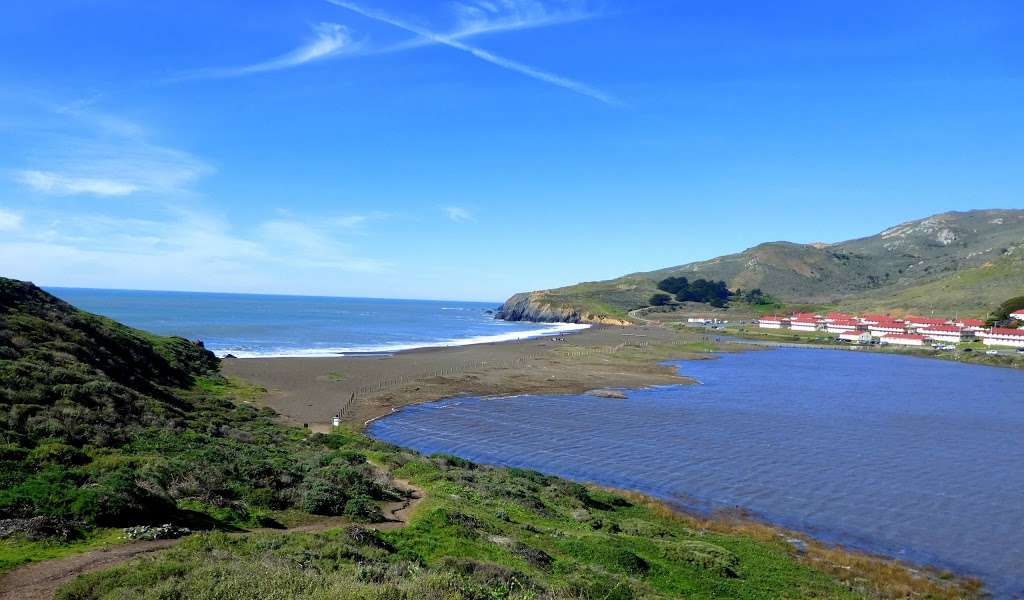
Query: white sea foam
[550,329]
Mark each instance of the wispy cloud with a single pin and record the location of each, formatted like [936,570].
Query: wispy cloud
[458,214]
[91,153]
[9,221]
[63,185]
[329,39]
[179,249]
[480,26]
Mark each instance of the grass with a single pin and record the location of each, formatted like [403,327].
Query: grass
[486,533]
[18,551]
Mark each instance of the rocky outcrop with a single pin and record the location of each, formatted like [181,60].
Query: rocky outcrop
[532,306]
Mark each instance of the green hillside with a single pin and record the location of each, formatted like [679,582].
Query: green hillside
[966,262]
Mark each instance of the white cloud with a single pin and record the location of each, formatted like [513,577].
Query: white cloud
[458,214]
[9,221]
[95,154]
[53,183]
[330,39]
[182,250]
[452,41]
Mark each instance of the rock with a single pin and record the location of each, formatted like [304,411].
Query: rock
[799,544]
[533,307]
[166,531]
[230,356]
[38,528]
[607,394]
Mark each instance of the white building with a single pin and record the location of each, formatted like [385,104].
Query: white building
[1017,314]
[946,333]
[803,325]
[857,337]
[841,326]
[913,323]
[1000,336]
[903,339]
[887,328]
[974,325]
[772,322]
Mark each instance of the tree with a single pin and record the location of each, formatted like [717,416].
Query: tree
[1002,314]
[673,285]
[659,300]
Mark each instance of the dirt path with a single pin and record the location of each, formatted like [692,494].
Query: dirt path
[40,581]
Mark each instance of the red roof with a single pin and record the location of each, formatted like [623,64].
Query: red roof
[943,328]
[925,320]
[971,322]
[844,322]
[1017,313]
[1007,331]
[903,336]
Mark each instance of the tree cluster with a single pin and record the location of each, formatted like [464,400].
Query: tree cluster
[715,293]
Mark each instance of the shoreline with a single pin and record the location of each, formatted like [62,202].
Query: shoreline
[543,330]
[311,391]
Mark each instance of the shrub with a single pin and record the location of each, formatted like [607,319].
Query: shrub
[362,508]
[116,500]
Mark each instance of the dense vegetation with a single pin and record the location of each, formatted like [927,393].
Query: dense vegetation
[103,425]
[484,533]
[1001,315]
[715,293]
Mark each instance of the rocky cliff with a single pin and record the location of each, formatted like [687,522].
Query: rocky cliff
[534,306]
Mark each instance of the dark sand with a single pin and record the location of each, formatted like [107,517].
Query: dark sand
[313,390]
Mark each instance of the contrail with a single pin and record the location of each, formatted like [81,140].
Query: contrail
[451,42]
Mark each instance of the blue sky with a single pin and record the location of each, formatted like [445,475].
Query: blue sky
[468,150]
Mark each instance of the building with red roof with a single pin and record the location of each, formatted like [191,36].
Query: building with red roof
[887,328]
[971,324]
[946,333]
[903,339]
[1017,314]
[1003,336]
[840,326]
[803,323]
[918,322]
[772,322]
[857,337]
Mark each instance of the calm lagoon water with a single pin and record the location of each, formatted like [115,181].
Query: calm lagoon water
[249,325]
[917,459]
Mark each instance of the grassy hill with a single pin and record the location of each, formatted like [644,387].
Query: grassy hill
[966,262]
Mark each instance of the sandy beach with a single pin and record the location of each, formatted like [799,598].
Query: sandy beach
[312,390]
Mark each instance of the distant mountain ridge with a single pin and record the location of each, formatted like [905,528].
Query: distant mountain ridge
[965,262]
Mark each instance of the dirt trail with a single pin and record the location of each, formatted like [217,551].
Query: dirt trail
[40,581]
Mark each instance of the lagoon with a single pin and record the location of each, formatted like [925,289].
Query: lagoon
[917,459]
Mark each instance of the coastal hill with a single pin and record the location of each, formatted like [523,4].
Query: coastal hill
[964,262]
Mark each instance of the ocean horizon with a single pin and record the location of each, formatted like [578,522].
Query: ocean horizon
[276,325]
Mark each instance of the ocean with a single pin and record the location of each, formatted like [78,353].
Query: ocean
[917,459]
[249,325]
